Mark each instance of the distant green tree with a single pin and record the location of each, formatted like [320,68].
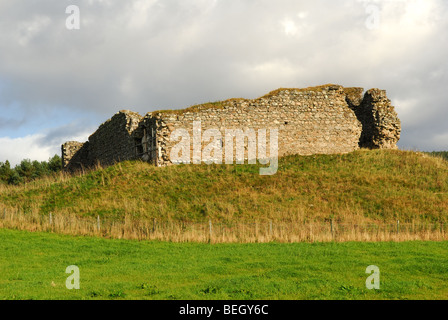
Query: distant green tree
[25,170]
[442,154]
[28,170]
[5,171]
[40,169]
[15,179]
[55,163]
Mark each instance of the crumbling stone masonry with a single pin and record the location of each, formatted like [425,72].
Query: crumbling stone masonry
[326,119]
[112,142]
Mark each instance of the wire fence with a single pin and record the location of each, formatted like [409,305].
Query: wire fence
[222,232]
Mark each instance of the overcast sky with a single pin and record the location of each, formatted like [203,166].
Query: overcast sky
[58,84]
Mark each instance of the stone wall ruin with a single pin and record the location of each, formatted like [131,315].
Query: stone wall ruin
[326,119]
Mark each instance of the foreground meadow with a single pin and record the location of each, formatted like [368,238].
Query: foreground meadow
[33,266]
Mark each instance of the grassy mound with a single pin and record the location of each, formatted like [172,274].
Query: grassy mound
[363,186]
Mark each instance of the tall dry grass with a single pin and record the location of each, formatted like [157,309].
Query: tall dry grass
[256,231]
[355,187]
[364,193]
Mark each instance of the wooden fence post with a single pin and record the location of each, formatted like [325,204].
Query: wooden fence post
[256,229]
[51,219]
[331,227]
[270,228]
[98,223]
[398,226]
[210,230]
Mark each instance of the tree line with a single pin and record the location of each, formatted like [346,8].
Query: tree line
[442,154]
[28,170]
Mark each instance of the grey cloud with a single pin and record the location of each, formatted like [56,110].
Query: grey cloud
[6,123]
[59,135]
[147,55]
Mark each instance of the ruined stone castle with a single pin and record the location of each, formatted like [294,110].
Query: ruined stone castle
[326,119]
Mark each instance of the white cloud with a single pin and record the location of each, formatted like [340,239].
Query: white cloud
[140,13]
[17,149]
[289,27]
[40,146]
[148,55]
[302,15]
[27,30]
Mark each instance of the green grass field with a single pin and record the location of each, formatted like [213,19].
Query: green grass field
[32,266]
[357,188]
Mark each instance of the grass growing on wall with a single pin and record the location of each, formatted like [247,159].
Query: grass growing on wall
[221,104]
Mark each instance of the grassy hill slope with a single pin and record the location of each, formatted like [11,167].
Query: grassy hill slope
[363,186]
